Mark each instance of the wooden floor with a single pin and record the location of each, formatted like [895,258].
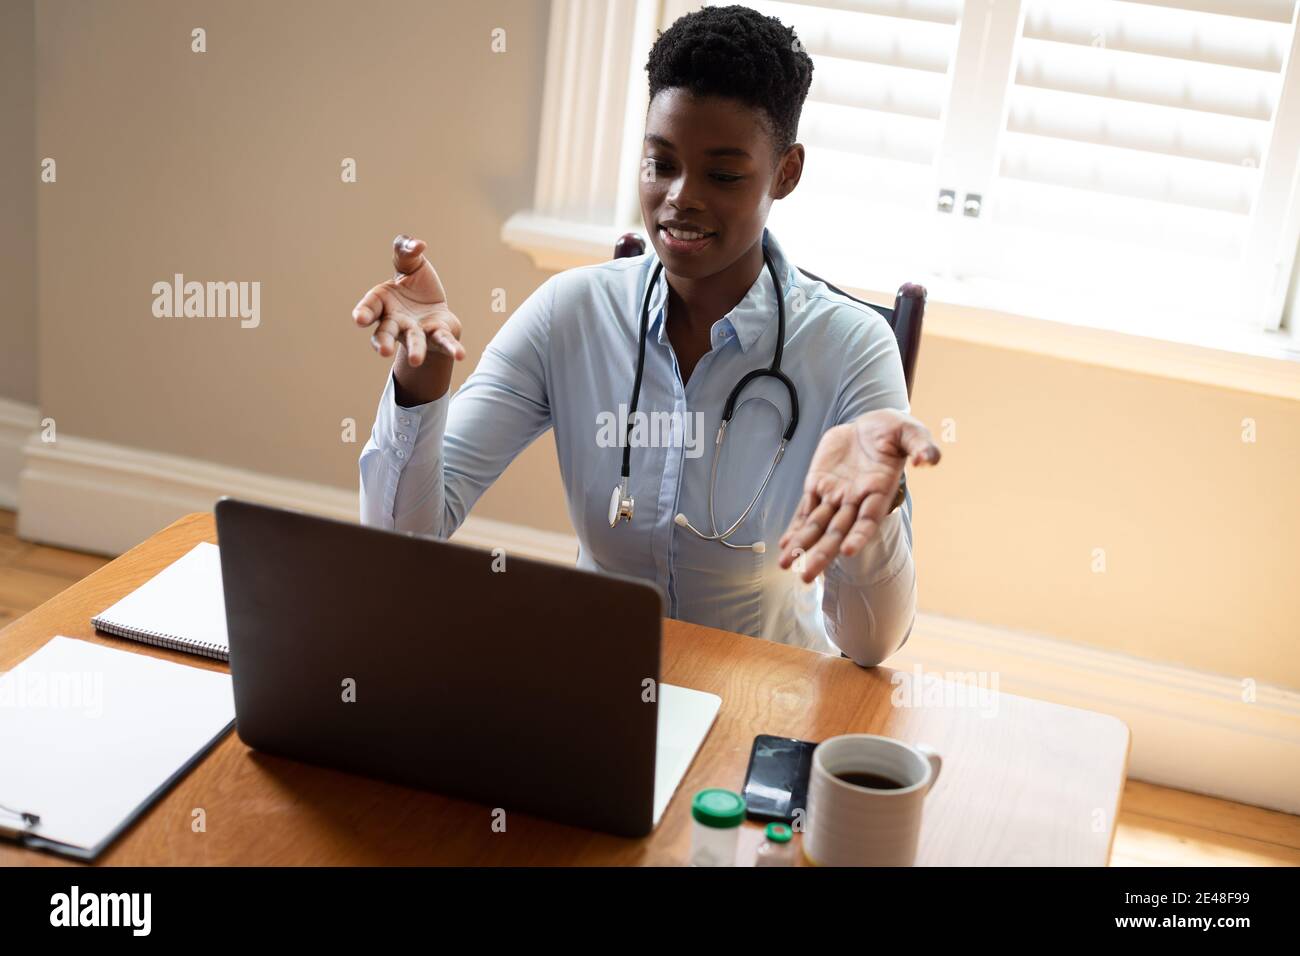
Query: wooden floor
[1157,826]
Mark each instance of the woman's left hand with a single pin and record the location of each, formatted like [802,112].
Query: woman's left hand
[851,485]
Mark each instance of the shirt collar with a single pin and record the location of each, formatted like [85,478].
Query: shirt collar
[751,316]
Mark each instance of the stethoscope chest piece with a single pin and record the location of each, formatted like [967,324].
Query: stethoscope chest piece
[620,504]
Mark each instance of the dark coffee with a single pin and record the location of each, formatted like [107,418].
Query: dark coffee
[864,778]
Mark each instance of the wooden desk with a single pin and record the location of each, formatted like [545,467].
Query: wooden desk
[1036,783]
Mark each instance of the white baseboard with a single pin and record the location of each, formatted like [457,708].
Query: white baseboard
[17,421]
[105,498]
[1191,730]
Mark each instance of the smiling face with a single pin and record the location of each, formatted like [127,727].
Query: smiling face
[708,168]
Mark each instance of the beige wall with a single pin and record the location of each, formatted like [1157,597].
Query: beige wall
[225,165]
[18,173]
[1201,531]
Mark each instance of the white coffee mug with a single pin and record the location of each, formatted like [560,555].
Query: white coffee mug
[850,825]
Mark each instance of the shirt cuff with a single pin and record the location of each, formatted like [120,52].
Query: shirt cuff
[398,430]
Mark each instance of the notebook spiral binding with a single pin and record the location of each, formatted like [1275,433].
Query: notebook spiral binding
[204,648]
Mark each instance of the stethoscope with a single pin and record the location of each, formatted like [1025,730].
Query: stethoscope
[621,503]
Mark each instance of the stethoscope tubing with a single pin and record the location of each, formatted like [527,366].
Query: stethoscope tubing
[774,370]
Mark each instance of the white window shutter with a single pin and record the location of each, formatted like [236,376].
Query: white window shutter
[1146,155]
[872,124]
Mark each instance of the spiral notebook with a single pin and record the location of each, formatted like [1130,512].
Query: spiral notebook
[182,607]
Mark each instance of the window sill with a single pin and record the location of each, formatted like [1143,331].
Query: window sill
[1264,363]
[557,244]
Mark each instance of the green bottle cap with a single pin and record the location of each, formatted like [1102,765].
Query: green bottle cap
[718,808]
[779,833]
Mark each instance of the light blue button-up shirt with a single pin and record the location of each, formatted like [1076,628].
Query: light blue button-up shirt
[566,360]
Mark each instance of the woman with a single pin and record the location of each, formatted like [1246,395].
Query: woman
[726,89]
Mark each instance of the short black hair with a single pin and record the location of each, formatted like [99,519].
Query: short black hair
[739,53]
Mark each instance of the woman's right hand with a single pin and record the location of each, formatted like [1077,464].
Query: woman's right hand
[411,312]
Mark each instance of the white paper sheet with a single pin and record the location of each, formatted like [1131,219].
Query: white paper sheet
[685,718]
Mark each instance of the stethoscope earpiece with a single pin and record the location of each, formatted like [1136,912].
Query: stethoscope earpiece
[620,502]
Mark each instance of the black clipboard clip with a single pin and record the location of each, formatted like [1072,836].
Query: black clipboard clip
[29,820]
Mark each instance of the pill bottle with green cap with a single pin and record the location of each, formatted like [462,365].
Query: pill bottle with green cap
[715,833]
[778,847]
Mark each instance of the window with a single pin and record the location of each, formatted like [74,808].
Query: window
[1112,162]
[1126,164]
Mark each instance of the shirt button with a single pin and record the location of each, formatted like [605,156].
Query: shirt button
[400,453]
[402,438]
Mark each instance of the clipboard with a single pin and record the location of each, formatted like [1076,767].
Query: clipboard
[97,735]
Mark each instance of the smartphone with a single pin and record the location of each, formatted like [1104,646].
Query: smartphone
[776,784]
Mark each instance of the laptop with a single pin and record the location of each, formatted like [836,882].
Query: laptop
[478,674]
